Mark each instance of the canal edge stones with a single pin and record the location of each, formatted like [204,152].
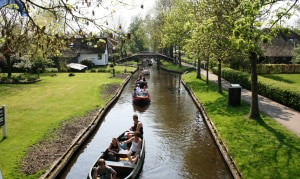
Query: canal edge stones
[56,167]
[217,138]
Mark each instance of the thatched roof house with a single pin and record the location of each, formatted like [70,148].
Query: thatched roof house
[94,49]
[280,51]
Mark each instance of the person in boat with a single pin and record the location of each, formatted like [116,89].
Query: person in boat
[103,171]
[134,93]
[144,91]
[136,146]
[113,149]
[140,79]
[136,128]
[138,90]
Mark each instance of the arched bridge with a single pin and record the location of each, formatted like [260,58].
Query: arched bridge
[144,54]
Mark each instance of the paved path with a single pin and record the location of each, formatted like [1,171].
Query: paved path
[286,116]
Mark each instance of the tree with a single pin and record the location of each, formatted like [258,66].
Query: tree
[138,36]
[19,40]
[49,24]
[174,33]
[248,34]
[162,7]
[296,55]
[13,37]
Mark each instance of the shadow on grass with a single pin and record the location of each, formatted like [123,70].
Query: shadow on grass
[278,78]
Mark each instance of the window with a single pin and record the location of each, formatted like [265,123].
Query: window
[99,56]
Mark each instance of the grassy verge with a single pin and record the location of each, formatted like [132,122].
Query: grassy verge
[287,78]
[35,109]
[171,66]
[261,149]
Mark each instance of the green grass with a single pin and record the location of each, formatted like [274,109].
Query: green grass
[171,66]
[261,149]
[128,67]
[287,78]
[35,109]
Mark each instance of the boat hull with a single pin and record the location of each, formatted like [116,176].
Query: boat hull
[141,100]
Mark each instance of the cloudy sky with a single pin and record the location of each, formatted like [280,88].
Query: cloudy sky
[124,14]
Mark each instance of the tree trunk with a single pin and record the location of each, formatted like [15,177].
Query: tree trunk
[254,110]
[9,65]
[219,77]
[171,52]
[198,68]
[207,68]
[179,56]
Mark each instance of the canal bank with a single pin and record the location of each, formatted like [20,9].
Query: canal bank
[56,168]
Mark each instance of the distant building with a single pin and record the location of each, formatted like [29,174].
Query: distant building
[111,45]
[280,50]
[94,49]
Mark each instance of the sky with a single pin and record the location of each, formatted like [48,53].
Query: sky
[124,14]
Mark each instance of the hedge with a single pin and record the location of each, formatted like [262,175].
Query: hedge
[283,93]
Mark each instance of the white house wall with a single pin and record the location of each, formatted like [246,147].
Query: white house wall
[94,58]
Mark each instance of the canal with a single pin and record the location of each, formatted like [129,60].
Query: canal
[178,142]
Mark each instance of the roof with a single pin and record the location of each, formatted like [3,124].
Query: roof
[92,45]
[282,45]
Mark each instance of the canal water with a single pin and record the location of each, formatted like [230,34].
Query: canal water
[178,142]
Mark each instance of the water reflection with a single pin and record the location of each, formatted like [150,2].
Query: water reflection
[140,109]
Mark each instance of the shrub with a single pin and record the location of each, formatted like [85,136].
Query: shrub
[51,70]
[88,63]
[286,94]
[101,70]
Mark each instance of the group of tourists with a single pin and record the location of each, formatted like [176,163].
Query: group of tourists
[141,88]
[134,137]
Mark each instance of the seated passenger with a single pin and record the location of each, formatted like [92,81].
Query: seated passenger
[145,91]
[136,146]
[113,149]
[138,90]
[103,171]
[136,128]
[134,93]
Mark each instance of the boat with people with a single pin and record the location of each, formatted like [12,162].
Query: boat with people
[141,81]
[142,99]
[150,62]
[120,163]
[145,71]
[141,95]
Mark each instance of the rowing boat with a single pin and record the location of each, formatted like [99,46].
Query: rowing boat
[122,165]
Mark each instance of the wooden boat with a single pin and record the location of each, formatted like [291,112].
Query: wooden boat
[141,99]
[122,166]
[145,72]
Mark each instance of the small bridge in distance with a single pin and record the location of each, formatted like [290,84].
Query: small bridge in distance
[146,54]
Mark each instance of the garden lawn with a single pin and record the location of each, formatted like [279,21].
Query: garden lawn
[287,78]
[35,109]
[260,148]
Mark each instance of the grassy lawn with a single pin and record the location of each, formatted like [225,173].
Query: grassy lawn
[261,149]
[287,78]
[173,67]
[35,109]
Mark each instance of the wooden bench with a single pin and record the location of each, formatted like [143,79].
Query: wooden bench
[121,163]
[122,153]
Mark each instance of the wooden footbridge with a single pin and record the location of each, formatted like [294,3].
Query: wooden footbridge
[145,54]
